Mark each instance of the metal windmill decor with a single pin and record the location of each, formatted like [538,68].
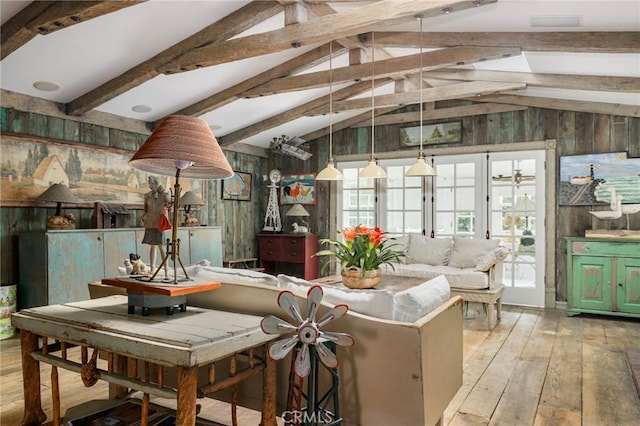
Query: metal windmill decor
[311,346]
[307,332]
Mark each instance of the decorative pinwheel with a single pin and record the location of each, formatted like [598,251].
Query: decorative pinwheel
[307,331]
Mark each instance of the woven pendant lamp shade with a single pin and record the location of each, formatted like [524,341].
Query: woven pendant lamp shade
[178,141]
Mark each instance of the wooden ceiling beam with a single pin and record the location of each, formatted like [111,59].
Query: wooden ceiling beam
[384,68]
[560,81]
[432,94]
[316,30]
[227,27]
[290,115]
[563,104]
[586,41]
[226,96]
[45,17]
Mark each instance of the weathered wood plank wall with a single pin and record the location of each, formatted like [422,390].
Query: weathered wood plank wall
[240,220]
[575,133]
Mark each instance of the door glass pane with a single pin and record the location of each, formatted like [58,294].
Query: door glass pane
[414,199]
[395,223]
[445,198]
[395,199]
[465,198]
[465,174]
[413,222]
[444,223]
[445,175]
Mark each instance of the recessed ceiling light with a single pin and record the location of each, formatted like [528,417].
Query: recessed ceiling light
[555,21]
[46,86]
[141,108]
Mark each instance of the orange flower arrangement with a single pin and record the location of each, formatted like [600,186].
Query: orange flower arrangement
[363,247]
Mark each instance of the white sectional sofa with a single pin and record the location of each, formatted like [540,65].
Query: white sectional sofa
[398,372]
[467,263]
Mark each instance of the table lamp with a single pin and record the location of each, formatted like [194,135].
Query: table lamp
[182,146]
[59,193]
[298,211]
[190,202]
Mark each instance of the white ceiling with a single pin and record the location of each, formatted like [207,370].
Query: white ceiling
[86,55]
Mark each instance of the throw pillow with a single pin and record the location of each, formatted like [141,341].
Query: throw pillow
[468,252]
[412,304]
[375,303]
[400,244]
[427,250]
[494,256]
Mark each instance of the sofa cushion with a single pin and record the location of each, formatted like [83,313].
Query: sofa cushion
[414,303]
[496,255]
[467,278]
[376,303]
[468,252]
[431,251]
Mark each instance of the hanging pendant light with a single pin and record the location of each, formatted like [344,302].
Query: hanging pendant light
[372,170]
[421,168]
[330,172]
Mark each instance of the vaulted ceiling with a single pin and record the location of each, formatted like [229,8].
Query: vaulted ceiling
[255,70]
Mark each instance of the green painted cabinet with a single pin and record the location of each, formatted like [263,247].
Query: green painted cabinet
[603,276]
[56,266]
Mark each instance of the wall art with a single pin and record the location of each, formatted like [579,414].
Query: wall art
[587,179]
[298,189]
[433,134]
[237,187]
[30,165]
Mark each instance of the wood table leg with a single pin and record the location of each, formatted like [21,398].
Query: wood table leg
[268,392]
[187,396]
[490,310]
[33,413]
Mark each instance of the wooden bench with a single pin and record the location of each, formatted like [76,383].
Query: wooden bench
[244,263]
[488,297]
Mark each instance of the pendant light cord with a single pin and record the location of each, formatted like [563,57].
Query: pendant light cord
[421,101]
[331,100]
[373,75]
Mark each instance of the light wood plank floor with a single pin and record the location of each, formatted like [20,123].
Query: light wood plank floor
[537,367]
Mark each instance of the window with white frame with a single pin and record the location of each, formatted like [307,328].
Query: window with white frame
[358,199]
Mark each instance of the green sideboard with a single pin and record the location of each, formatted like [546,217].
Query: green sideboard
[56,266]
[603,276]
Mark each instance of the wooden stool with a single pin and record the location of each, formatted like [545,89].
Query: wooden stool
[488,297]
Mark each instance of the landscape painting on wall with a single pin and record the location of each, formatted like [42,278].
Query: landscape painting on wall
[590,179]
[93,174]
[432,134]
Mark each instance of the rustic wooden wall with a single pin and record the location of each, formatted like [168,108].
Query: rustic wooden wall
[240,219]
[575,133]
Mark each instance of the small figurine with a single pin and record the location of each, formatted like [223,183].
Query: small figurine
[137,266]
[128,267]
[299,229]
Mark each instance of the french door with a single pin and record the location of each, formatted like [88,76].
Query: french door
[499,195]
